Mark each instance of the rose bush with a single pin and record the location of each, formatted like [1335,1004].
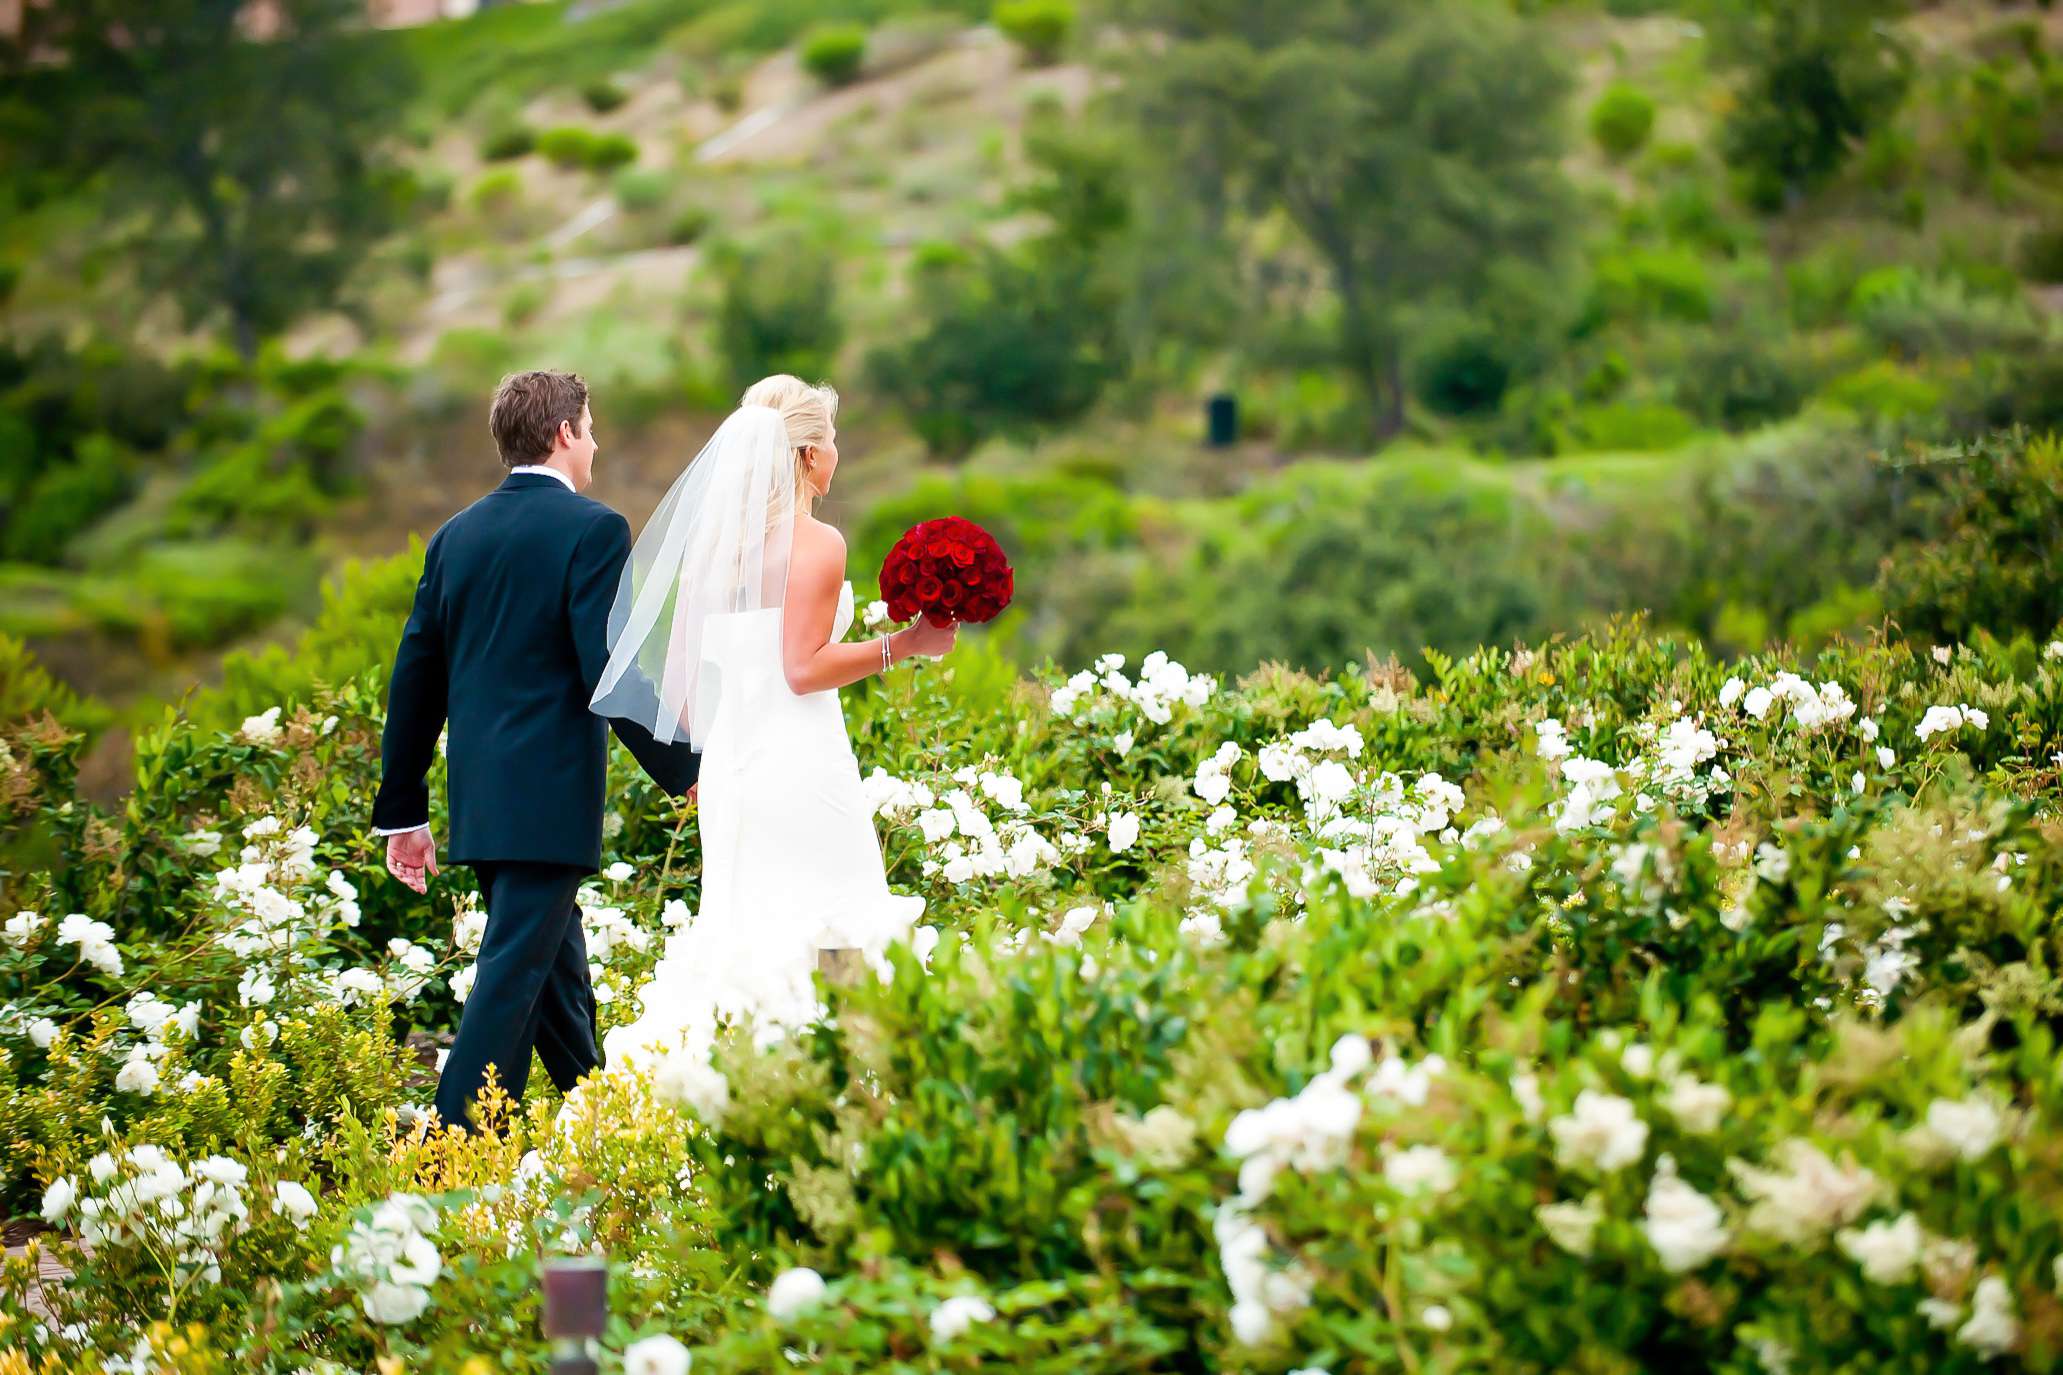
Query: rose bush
[1592,1005]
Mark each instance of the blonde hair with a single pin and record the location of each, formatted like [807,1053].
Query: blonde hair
[806,410]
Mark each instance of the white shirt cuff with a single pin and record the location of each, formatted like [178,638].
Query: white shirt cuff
[400,830]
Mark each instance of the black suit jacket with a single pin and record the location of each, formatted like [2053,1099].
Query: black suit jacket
[507,640]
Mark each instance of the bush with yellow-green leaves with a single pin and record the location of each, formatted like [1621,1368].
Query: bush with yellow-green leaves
[1595,1005]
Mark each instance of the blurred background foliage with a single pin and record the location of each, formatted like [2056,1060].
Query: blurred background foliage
[1534,311]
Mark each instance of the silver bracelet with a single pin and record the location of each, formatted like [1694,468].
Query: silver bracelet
[884,652]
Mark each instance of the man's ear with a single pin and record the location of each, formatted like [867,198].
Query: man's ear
[564,438]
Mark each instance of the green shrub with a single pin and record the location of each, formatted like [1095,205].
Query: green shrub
[640,189]
[1992,559]
[1632,426]
[779,312]
[353,637]
[496,191]
[1886,391]
[1621,120]
[1919,316]
[567,146]
[608,151]
[523,302]
[603,95]
[505,141]
[1004,344]
[833,53]
[64,499]
[1039,27]
[2041,255]
[27,691]
[1467,374]
[688,224]
[1741,378]
[1644,284]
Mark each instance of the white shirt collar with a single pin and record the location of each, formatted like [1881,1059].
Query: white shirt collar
[542,468]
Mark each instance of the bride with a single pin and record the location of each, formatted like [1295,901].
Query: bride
[735,604]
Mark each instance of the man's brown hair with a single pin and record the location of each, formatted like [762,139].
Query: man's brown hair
[528,409]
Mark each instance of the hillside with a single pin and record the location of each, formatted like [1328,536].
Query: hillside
[625,188]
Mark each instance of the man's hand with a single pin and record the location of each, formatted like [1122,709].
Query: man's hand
[412,858]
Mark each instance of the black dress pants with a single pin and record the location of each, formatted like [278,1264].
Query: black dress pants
[531,991]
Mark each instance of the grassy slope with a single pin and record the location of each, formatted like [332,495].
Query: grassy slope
[920,149]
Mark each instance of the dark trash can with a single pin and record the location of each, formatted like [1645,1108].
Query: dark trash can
[1222,420]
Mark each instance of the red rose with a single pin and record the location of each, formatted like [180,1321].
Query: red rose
[945,570]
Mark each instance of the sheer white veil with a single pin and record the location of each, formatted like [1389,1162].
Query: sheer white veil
[717,545]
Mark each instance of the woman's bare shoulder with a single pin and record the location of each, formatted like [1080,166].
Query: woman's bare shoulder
[816,537]
[818,548]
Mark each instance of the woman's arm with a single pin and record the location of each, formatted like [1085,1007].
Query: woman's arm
[816,572]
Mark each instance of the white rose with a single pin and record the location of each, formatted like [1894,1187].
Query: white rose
[1572,1226]
[875,614]
[1436,1318]
[42,1032]
[792,1292]
[1602,1133]
[395,1303]
[1685,1227]
[959,870]
[139,1076]
[1970,1127]
[254,988]
[663,1355]
[1993,1328]
[1757,702]
[262,729]
[1888,1252]
[1730,691]
[1331,782]
[1252,1323]
[21,926]
[1124,832]
[936,824]
[58,1199]
[686,1079]
[1122,743]
[293,1200]
[1421,1169]
[1698,1108]
[957,1314]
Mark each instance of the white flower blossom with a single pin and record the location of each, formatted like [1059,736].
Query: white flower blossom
[1601,1133]
[1572,1226]
[662,1354]
[1685,1227]
[1993,1327]
[262,729]
[958,1313]
[793,1292]
[1888,1252]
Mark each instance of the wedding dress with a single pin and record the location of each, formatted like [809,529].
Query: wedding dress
[791,864]
[790,861]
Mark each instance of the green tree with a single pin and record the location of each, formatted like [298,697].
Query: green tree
[247,176]
[779,312]
[1816,76]
[1377,128]
[1015,339]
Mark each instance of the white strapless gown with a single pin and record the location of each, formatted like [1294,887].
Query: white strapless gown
[790,861]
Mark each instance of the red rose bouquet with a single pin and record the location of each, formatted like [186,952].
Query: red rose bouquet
[946,570]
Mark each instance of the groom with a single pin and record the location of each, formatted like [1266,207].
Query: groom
[507,639]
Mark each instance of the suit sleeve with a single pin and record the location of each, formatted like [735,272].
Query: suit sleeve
[417,697]
[596,573]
